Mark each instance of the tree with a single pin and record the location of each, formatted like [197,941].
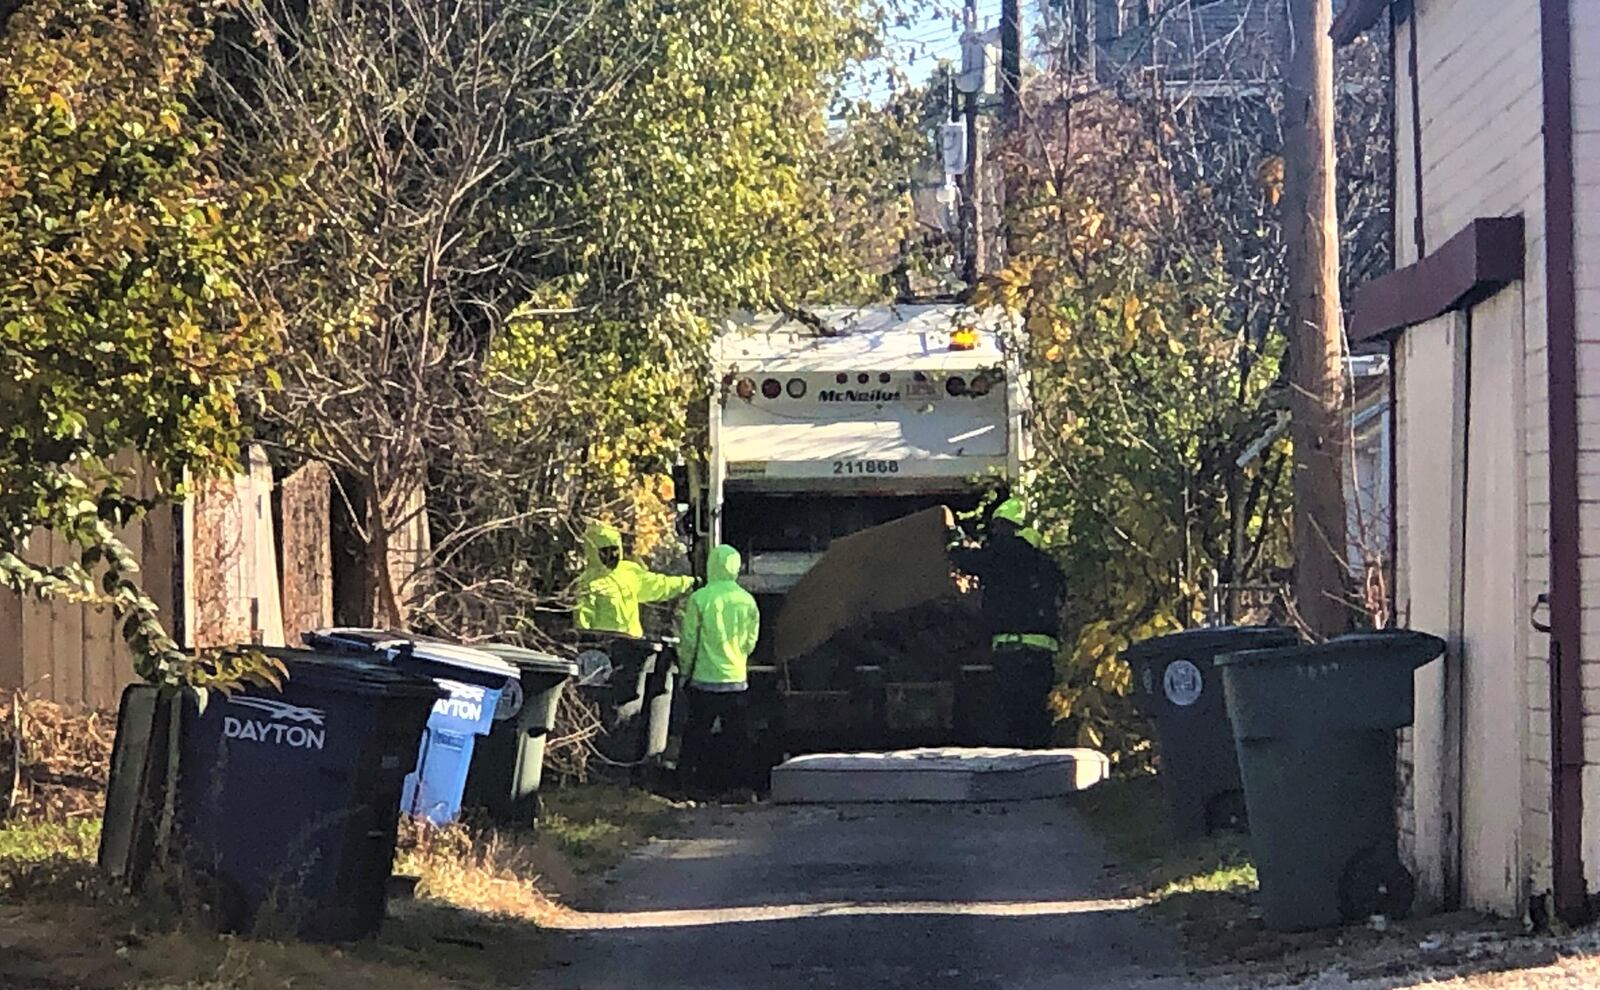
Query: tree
[1149,265]
[123,325]
[1146,392]
[515,222]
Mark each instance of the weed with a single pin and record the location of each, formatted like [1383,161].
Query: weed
[1131,815]
[595,825]
[38,842]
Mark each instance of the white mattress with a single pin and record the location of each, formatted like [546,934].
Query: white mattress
[939,775]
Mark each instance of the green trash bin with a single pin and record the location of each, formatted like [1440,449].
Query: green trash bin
[509,762]
[1177,686]
[1315,730]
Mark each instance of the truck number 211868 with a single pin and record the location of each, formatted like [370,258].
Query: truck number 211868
[866,467]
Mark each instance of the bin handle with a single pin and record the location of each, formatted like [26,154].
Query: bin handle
[1540,603]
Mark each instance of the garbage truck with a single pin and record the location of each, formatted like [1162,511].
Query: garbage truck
[842,443]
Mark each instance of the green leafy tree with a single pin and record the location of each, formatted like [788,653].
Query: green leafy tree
[123,325]
[1146,392]
[1148,264]
[514,226]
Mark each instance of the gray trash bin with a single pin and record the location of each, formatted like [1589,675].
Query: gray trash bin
[1315,727]
[1177,685]
[508,764]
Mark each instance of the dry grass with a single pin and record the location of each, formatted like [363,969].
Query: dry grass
[500,874]
[482,895]
[473,927]
[474,924]
[53,761]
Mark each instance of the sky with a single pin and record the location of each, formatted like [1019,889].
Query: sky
[933,34]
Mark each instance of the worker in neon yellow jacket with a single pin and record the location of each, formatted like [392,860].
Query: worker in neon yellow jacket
[717,634]
[611,589]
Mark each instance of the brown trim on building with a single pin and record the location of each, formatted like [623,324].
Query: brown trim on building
[1474,264]
[1561,351]
[1356,17]
[1407,9]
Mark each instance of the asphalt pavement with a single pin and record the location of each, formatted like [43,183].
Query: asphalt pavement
[934,897]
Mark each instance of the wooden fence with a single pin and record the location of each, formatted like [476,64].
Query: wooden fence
[224,572]
[74,654]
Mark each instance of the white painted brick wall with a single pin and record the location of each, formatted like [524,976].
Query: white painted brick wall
[1482,155]
[1586,269]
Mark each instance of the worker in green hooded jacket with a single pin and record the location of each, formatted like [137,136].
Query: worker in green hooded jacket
[611,589]
[716,635]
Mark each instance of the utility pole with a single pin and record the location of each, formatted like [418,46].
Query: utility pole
[972,246]
[1010,116]
[1316,342]
[1010,63]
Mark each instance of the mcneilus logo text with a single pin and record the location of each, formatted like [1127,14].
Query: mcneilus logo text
[851,395]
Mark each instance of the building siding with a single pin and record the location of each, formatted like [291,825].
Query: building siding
[1586,266]
[1481,95]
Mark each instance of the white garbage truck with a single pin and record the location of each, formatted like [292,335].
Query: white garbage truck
[845,418]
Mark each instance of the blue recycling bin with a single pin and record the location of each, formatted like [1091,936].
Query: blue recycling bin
[284,799]
[479,687]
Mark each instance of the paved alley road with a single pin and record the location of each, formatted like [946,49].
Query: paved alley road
[999,897]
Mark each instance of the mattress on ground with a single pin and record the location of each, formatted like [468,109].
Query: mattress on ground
[944,774]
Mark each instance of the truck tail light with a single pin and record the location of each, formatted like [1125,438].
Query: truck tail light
[797,388]
[771,389]
[980,386]
[746,389]
[956,385]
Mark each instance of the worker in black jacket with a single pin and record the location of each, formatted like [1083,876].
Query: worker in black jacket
[1023,588]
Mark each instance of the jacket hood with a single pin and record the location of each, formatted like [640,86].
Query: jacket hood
[1012,511]
[595,538]
[722,564]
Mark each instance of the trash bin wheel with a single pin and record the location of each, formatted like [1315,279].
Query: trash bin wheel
[1376,883]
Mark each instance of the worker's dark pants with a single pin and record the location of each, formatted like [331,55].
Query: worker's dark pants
[1027,674]
[716,758]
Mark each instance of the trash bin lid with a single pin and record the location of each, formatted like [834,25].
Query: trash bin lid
[398,642]
[603,637]
[1404,646]
[527,659]
[1210,641]
[341,672]
[463,657]
[365,638]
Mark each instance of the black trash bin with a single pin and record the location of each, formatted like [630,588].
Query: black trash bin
[1177,686]
[284,801]
[633,694]
[483,689]
[508,764]
[1315,727]
[766,724]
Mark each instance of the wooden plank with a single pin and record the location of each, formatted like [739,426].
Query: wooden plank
[102,636]
[66,635]
[36,643]
[106,654]
[263,602]
[10,640]
[307,575]
[101,644]
[157,547]
[1432,374]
